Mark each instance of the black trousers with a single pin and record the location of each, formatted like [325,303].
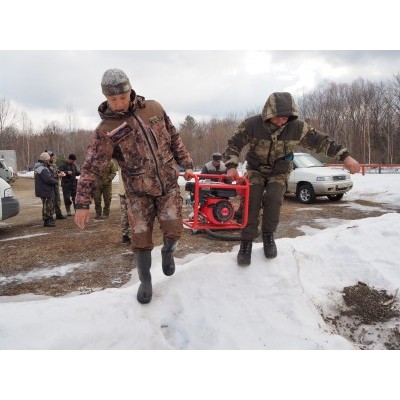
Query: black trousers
[269,198]
[69,194]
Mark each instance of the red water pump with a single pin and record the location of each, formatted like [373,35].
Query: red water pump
[213,208]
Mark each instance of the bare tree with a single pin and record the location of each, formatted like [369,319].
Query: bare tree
[8,121]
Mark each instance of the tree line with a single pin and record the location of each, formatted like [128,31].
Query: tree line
[364,115]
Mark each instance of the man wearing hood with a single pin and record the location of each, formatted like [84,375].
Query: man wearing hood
[139,135]
[272,137]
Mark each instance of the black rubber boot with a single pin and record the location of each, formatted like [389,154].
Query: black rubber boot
[69,211]
[167,254]
[270,250]
[60,216]
[244,255]
[49,222]
[143,265]
[125,239]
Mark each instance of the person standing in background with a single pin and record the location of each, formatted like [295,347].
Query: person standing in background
[68,182]
[56,174]
[105,190]
[44,188]
[214,167]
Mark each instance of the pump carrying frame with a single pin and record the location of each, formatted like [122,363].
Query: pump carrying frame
[207,183]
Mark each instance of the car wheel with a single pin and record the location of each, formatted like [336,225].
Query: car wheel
[335,197]
[305,193]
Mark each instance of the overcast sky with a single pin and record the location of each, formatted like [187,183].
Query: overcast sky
[71,50]
[203,84]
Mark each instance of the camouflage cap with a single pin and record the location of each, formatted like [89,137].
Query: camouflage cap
[115,82]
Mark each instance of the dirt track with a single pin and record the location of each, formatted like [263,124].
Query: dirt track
[57,261]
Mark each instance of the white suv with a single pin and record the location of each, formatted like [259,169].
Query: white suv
[9,206]
[310,179]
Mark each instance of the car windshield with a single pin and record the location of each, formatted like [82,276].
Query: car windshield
[306,161]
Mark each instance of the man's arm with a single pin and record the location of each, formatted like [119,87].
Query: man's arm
[178,148]
[98,156]
[235,146]
[322,143]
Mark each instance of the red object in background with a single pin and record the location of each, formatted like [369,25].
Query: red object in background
[212,205]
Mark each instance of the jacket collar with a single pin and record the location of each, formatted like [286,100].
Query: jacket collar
[137,102]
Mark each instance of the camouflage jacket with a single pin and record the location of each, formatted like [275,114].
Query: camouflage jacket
[270,146]
[146,146]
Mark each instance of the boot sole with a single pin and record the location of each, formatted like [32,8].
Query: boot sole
[144,301]
[271,257]
[169,272]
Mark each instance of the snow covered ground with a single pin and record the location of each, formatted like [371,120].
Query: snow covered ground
[212,304]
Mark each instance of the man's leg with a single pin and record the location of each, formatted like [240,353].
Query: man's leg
[141,214]
[57,203]
[97,202]
[67,198]
[273,200]
[48,211]
[169,212]
[107,196]
[250,231]
[124,219]
[73,192]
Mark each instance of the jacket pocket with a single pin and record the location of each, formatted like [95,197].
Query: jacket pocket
[172,170]
[282,167]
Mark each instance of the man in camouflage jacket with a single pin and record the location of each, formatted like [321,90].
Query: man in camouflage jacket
[272,137]
[139,135]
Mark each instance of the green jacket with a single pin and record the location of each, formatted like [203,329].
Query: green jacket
[271,147]
[109,173]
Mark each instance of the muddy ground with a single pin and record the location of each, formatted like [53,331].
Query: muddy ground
[27,248]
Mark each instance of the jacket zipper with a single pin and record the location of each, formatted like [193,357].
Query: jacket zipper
[152,152]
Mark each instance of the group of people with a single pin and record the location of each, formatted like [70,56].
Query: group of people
[138,134]
[47,186]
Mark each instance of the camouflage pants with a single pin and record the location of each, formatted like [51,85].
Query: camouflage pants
[266,192]
[47,207]
[57,200]
[124,215]
[142,211]
[104,191]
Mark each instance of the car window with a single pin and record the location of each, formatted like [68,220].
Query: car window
[306,161]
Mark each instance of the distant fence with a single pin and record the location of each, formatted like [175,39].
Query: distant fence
[374,168]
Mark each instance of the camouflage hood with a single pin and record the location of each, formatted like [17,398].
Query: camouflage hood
[280,104]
